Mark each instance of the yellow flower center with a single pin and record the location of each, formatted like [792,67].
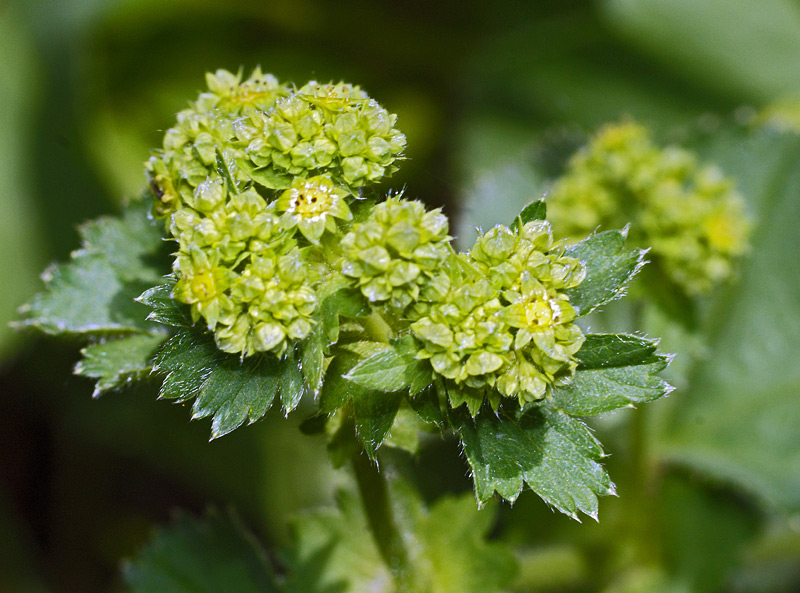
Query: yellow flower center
[203,286]
[541,314]
[310,200]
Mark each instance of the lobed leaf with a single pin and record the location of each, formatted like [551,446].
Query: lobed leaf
[609,268]
[207,555]
[94,292]
[231,390]
[553,453]
[118,362]
[614,371]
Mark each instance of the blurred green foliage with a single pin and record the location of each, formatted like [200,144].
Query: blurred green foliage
[708,500]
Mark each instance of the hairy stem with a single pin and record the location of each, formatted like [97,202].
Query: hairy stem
[375,498]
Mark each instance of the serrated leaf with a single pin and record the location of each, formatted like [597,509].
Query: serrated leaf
[609,268]
[118,362]
[165,309]
[614,371]
[207,555]
[291,383]
[337,390]
[554,454]
[374,410]
[94,293]
[394,368]
[374,413]
[232,390]
[326,332]
[534,211]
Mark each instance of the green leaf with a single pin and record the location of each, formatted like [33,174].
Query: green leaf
[554,454]
[94,293]
[609,268]
[335,552]
[118,362]
[232,390]
[291,383]
[342,301]
[534,211]
[165,310]
[205,555]
[394,368]
[375,412]
[614,371]
[462,561]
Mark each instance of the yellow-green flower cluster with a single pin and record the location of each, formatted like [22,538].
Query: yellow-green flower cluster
[242,272]
[201,137]
[688,213]
[332,128]
[509,324]
[397,255]
[250,181]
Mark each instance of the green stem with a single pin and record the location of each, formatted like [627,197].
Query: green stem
[375,499]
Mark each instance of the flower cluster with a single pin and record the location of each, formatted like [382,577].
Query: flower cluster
[397,254]
[335,128]
[197,147]
[688,213]
[509,324]
[250,251]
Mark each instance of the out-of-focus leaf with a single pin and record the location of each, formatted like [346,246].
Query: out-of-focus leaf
[334,552]
[453,533]
[748,50]
[118,362]
[613,371]
[554,454]
[609,268]
[739,419]
[704,532]
[207,555]
[447,549]
[94,293]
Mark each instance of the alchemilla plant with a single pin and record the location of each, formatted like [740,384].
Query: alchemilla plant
[267,264]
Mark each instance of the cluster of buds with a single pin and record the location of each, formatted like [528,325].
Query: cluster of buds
[508,326]
[397,255]
[249,182]
[688,213]
[257,184]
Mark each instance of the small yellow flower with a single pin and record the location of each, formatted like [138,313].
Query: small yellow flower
[311,205]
